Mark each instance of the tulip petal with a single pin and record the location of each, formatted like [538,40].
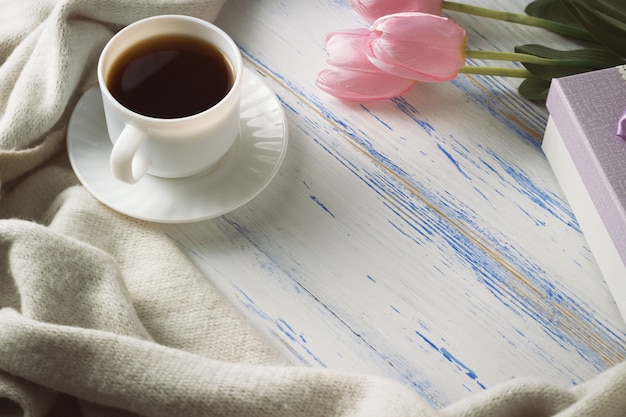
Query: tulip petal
[351,75]
[346,48]
[362,85]
[419,46]
[371,10]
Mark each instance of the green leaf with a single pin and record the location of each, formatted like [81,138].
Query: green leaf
[587,56]
[604,19]
[534,88]
[570,62]
[551,10]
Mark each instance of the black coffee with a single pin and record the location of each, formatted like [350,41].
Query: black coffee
[170,76]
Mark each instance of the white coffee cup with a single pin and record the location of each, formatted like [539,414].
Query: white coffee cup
[170,147]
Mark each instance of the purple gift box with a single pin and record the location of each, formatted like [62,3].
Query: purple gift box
[589,161]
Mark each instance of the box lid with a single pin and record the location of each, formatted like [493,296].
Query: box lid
[586,109]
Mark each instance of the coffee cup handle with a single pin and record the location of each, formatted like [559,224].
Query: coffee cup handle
[127,164]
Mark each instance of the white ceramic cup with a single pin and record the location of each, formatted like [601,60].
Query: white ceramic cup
[176,147]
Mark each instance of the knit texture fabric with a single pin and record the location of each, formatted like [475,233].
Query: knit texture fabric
[102,315]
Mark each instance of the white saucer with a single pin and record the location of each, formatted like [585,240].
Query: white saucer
[240,176]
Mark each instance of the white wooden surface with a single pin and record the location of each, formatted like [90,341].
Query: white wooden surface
[423,238]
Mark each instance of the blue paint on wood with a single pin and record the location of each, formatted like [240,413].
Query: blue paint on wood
[381,121]
[452,359]
[281,325]
[454,162]
[405,107]
[319,203]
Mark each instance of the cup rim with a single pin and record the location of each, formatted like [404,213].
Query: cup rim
[237,68]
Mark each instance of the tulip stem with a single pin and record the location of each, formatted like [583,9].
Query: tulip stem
[498,71]
[527,58]
[523,19]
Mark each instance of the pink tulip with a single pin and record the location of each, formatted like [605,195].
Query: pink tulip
[386,60]
[350,74]
[371,10]
[417,46]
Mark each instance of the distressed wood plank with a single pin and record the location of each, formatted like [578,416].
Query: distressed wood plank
[422,238]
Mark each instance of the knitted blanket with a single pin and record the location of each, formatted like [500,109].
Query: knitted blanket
[102,315]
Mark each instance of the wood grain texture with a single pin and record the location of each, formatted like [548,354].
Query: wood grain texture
[422,238]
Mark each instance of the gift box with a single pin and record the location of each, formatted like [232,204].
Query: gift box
[589,161]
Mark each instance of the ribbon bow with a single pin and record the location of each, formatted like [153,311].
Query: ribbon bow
[621,126]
